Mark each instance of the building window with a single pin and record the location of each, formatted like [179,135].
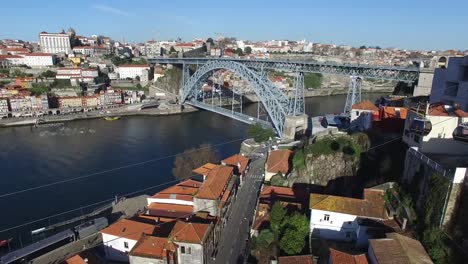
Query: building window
[182,249]
[126,244]
[189,250]
[326,217]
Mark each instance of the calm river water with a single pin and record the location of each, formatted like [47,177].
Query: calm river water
[31,157]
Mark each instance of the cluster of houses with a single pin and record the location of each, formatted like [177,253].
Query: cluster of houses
[182,223]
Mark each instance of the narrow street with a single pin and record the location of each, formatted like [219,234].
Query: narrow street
[234,238]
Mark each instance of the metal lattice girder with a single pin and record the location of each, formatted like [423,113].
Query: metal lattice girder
[297,106]
[354,93]
[271,97]
[364,71]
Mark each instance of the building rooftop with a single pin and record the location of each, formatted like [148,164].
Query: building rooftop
[441,110]
[339,257]
[129,229]
[77,259]
[216,182]
[152,247]
[365,105]
[394,112]
[400,249]
[204,169]
[184,190]
[372,206]
[170,210]
[189,232]
[237,160]
[278,161]
[304,259]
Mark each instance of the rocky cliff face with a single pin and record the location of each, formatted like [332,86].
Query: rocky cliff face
[171,81]
[322,169]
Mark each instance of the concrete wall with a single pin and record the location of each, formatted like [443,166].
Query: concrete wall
[206,205]
[143,260]
[424,86]
[115,247]
[453,199]
[195,257]
[336,226]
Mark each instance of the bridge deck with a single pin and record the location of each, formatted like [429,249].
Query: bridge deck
[365,71]
[226,112]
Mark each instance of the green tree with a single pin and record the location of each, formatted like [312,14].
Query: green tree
[247,50]
[277,216]
[260,134]
[265,238]
[296,229]
[239,52]
[210,40]
[299,160]
[48,74]
[436,243]
[172,50]
[363,47]
[313,80]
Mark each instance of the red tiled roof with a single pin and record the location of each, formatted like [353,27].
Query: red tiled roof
[204,169]
[237,160]
[338,257]
[391,112]
[278,161]
[129,229]
[77,259]
[189,232]
[217,180]
[182,189]
[365,105]
[170,210]
[286,192]
[398,248]
[153,247]
[304,259]
[16,49]
[439,110]
[371,206]
[39,54]
[10,57]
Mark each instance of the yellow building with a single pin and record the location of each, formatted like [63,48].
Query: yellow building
[75,60]
[69,102]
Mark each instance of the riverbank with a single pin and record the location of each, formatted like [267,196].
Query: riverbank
[169,110]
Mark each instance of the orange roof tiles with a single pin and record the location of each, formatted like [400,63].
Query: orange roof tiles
[398,249]
[338,257]
[129,229]
[278,161]
[204,169]
[371,206]
[38,54]
[153,247]
[170,210]
[183,190]
[237,160]
[439,110]
[216,182]
[393,112]
[304,259]
[77,259]
[189,232]
[365,105]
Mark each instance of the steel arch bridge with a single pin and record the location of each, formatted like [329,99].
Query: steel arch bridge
[279,106]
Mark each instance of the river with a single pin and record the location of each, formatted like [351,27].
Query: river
[31,157]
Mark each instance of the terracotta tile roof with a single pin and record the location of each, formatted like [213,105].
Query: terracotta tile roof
[39,54]
[184,190]
[365,105]
[439,110]
[304,259]
[278,161]
[371,206]
[204,169]
[216,182]
[392,112]
[129,229]
[10,57]
[153,247]
[77,259]
[170,210]
[237,160]
[398,249]
[189,232]
[338,257]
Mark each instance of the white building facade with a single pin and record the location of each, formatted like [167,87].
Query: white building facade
[55,43]
[38,59]
[131,71]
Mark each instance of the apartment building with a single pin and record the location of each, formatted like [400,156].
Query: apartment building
[55,43]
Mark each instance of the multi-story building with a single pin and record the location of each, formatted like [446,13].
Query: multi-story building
[70,102]
[77,74]
[3,107]
[92,50]
[55,43]
[89,102]
[20,103]
[38,59]
[131,71]
[450,84]
[110,98]
[9,60]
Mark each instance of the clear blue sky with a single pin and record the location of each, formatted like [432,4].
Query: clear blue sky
[410,24]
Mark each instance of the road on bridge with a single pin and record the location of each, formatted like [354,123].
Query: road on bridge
[235,236]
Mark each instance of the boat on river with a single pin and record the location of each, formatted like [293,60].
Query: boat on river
[111,118]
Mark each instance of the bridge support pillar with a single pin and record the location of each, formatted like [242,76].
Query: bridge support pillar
[294,125]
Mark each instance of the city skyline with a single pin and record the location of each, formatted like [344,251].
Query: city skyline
[412,27]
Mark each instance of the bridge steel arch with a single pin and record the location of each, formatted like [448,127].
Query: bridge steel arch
[276,103]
